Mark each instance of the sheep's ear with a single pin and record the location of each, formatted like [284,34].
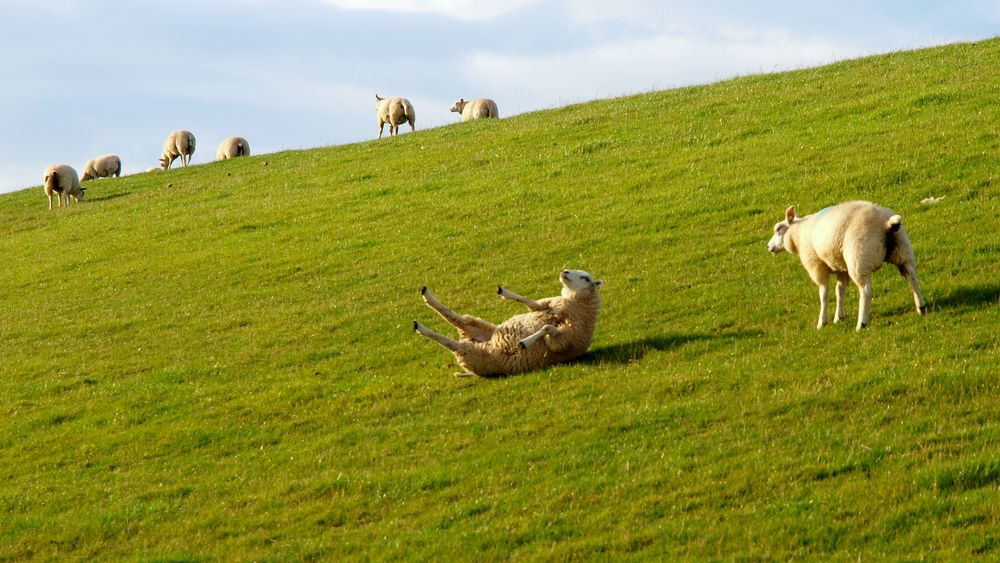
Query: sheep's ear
[790,214]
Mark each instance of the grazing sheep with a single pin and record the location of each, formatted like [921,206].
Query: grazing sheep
[394,111]
[564,324]
[178,144]
[232,148]
[851,240]
[62,179]
[102,167]
[476,109]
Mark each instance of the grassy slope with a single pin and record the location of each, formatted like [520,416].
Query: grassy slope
[224,367]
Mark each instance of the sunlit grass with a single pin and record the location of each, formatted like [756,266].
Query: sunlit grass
[218,363]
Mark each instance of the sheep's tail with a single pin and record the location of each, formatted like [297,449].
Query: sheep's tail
[894,223]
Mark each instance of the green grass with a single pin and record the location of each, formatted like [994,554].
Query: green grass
[218,362]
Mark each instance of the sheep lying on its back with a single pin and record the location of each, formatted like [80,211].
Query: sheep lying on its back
[394,111]
[476,109]
[564,324]
[62,179]
[102,167]
[232,148]
[178,144]
[851,240]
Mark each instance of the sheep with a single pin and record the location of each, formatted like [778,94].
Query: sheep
[851,240]
[476,109]
[154,169]
[232,148]
[102,167]
[394,111]
[62,179]
[178,144]
[564,324]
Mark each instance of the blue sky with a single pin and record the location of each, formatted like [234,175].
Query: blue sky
[87,77]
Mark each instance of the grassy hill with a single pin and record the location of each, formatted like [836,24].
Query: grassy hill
[218,363]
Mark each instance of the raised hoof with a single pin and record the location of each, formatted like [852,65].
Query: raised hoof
[423,290]
[521,344]
[499,290]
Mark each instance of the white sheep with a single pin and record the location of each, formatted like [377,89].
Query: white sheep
[394,111]
[102,167]
[851,240]
[62,179]
[232,148]
[154,169]
[178,144]
[564,324]
[476,109]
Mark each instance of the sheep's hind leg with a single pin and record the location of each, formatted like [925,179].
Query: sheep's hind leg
[842,281]
[910,274]
[531,304]
[470,328]
[453,345]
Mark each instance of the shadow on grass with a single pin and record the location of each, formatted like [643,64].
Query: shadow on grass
[629,352]
[109,196]
[974,296]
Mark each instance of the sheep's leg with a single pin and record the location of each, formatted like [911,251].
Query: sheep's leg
[909,272]
[865,303]
[469,327]
[530,341]
[531,304]
[50,200]
[448,343]
[381,126]
[413,125]
[842,281]
[824,285]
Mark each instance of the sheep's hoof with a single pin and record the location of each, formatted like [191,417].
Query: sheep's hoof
[922,309]
[521,344]
[423,290]
[499,290]
[416,326]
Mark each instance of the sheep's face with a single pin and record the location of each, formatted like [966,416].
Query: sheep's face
[459,105]
[79,197]
[777,242]
[577,281]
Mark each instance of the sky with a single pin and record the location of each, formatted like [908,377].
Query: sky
[82,78]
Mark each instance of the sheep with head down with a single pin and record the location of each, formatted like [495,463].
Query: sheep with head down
[479,108]
[555,330]
[181,144]
[102,167]
[851,240]
[62,179]
[232,147]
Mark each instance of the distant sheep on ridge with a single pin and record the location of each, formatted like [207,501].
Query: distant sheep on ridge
[232,148]
[102,167]
[394,111]
[476,109]
[178,144]
[62,179]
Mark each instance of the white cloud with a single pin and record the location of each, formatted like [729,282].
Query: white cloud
[467,10]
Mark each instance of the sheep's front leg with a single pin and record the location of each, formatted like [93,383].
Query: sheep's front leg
[530,341]
[531,304]
[440,339]
[865,303]
[381,127]
[842,280]
[823,288]
[50,201]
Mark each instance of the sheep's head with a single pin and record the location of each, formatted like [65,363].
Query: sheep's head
[83,192]
[578,281]
[777,242]
[459,105]
[164,162]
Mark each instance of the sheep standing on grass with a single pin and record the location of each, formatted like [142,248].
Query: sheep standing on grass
[62,179]
[178,144]
[102,167]
[476,109]
[564,325]
[232,148]
[394,111]
[851,240]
